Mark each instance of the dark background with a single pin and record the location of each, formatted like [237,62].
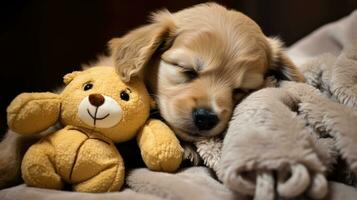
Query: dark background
[40,41]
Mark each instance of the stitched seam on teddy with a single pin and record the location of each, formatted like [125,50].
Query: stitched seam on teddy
[53,163]
[78,150]
[113,179]
[99,140]
[103,170]
[76,157]
[92,135]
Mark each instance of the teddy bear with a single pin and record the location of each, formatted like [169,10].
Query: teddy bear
[96,109]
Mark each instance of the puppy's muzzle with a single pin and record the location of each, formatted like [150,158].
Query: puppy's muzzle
[204,119]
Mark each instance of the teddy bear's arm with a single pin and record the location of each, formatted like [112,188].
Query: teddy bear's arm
[31,113]
[160,149]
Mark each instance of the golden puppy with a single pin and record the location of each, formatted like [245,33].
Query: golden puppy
[199,62]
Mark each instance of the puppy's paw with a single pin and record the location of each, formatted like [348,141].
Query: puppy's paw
[190,154]
[210,151]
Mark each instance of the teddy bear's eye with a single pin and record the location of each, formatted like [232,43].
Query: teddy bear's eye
[124,96]
[88,86]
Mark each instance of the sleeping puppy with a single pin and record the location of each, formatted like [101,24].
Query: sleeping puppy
[199,63]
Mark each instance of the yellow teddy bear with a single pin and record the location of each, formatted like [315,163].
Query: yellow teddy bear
[97,109]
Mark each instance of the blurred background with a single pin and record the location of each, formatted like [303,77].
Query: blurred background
[40,41]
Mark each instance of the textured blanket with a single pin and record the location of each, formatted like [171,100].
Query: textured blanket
[282,142]
[286,141]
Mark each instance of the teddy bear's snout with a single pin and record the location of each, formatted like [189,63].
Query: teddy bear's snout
[101,111]
[96,99]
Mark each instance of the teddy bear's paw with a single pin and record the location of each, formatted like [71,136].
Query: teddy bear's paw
[37,167]
[31,113]
[172,158]
[109,180]
[167,158]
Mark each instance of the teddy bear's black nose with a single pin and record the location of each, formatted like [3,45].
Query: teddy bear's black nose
[96,99]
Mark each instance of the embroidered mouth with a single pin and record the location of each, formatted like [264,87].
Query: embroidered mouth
[95,118]
[107,115]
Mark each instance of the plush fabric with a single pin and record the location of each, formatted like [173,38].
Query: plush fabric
[97,109]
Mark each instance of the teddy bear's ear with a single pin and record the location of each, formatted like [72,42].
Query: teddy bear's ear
[69,77]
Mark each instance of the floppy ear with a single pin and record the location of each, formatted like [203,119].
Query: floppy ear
[134,50]
[281,66]
[31,113]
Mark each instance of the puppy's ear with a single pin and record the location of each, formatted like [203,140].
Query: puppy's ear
[280,65]
[134,50]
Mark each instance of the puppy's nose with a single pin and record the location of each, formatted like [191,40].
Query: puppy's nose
[96,99]
[204,119]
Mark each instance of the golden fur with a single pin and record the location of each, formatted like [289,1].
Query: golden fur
[204,56]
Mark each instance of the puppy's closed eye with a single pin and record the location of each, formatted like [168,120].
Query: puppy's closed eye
[180,74]
[190,74]
[184,62]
